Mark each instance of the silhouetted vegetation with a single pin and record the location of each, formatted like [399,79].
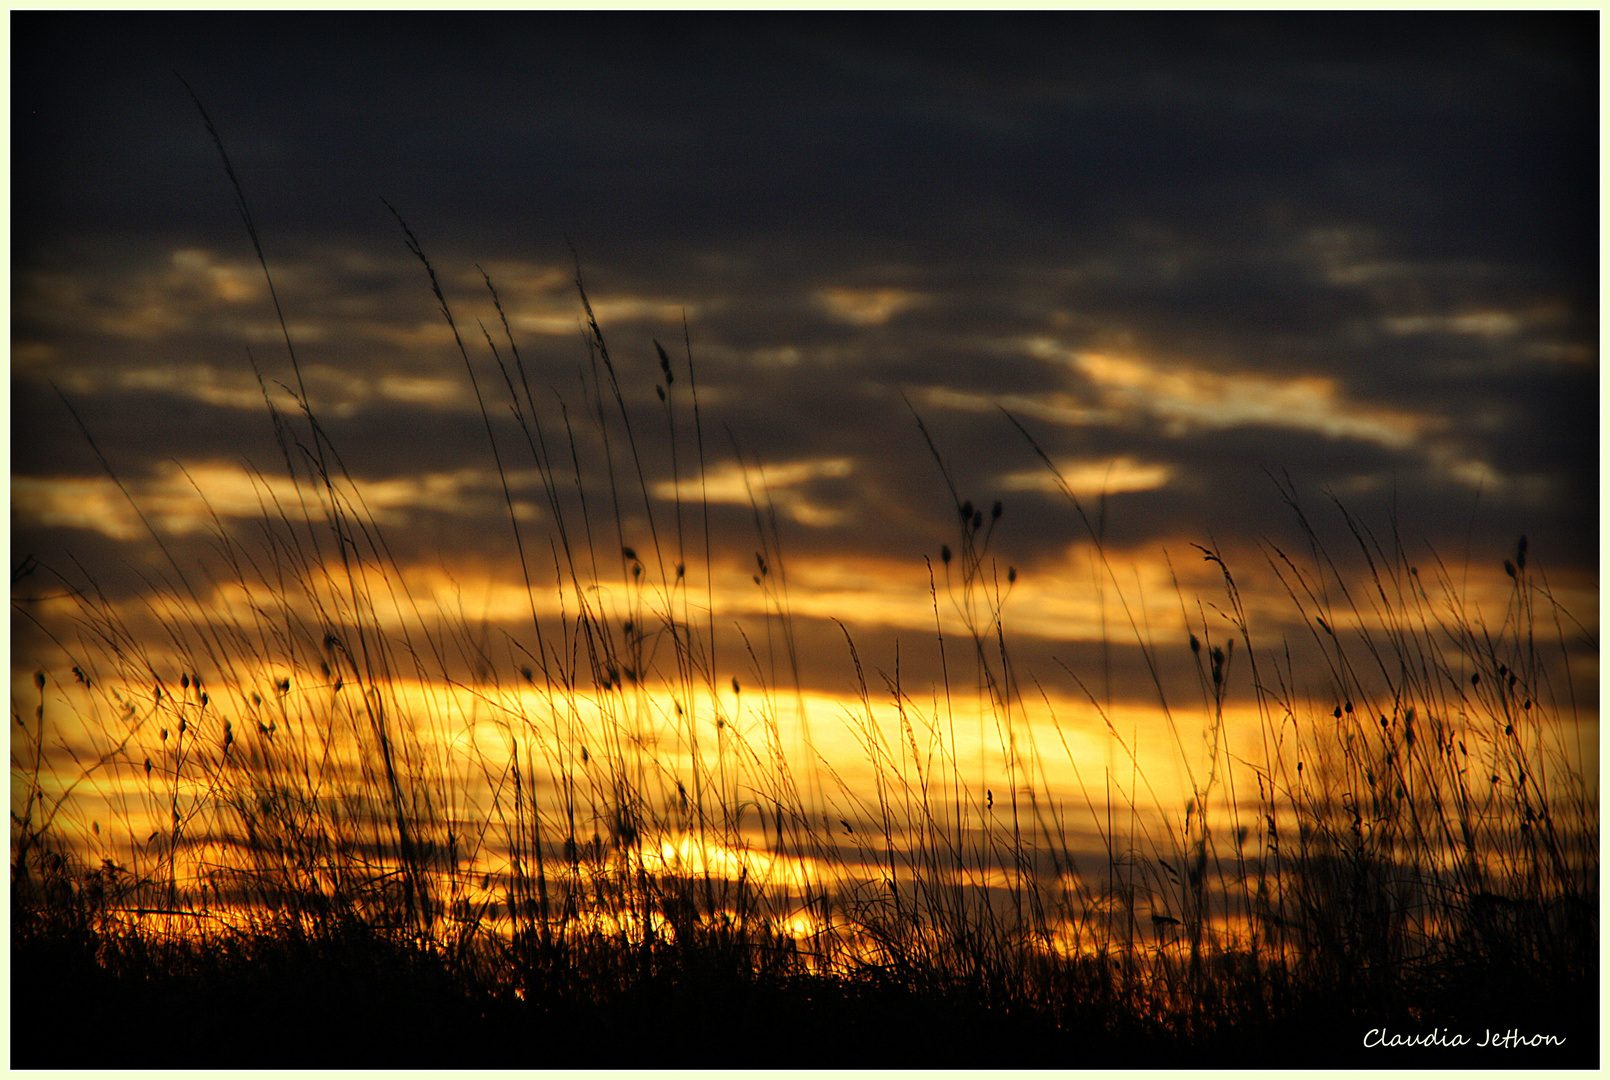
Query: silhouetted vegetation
[349,829]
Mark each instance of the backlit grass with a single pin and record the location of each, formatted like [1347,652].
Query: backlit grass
[290,809]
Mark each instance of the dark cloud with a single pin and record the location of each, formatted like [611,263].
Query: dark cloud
[1345,251]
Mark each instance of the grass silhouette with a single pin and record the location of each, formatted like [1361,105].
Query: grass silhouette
[346,827]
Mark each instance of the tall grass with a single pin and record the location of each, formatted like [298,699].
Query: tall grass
[292,745]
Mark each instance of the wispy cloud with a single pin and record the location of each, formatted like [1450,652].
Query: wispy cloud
[761,485]
[1184,396]
[205,496]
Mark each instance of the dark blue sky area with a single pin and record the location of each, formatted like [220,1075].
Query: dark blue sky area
[1360,249]
[1441,128]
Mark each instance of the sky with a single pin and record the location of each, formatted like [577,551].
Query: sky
[1212,263]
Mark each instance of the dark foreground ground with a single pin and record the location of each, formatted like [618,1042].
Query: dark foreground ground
[293,1006]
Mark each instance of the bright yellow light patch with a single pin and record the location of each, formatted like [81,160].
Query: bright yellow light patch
[868,307]
[77,502]
[1090,479]
[558,314]
[194,497]
[419,390]
[1183,396]
[740,485]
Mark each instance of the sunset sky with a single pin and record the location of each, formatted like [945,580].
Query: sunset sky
[1196,256]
